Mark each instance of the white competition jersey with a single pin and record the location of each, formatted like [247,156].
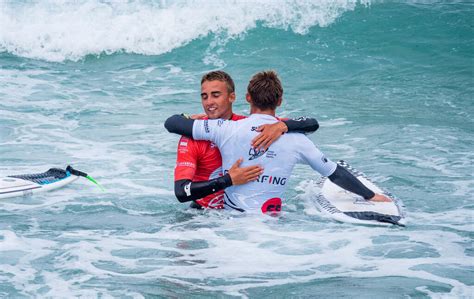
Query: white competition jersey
[234,141]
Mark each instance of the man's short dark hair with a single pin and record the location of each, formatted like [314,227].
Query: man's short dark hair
[220,76]
[265,89]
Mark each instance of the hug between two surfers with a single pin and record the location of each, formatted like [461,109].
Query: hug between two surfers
[257,156]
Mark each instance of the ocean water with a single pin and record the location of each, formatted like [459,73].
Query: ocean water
[90,83]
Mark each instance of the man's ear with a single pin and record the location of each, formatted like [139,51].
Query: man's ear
[248,98]
[279,102]
[232,97]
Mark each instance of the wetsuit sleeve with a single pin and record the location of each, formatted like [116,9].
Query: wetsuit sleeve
[301,125]
[344,179]
[186,190]
[209,129]
[179,124]
[186,163]
[214,130]
[336,173]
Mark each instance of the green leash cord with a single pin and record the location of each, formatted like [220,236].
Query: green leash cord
[83,174]
[95,182]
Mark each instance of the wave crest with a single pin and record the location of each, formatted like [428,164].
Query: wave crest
[58,30]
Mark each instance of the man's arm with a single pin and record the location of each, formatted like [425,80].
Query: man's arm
[336,173]
[271,132]
[186,190]
[182,125]
[305,125]
[349,182]
[209,129]
[179,124]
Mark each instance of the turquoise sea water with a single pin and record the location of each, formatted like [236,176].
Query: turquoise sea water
[91,83]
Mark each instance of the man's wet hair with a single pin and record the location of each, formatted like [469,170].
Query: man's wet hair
[265,89]
[220,76]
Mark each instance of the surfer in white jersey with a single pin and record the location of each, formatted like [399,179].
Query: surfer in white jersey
[264,94]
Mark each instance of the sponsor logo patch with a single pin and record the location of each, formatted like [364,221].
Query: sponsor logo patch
[214,203]
[270,154]
[255,153]
[301,118]
[183,145]
[273,180]
[272,206]
[187,189]
[206,126]
[186,164]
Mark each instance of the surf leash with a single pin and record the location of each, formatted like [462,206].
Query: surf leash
[83,174]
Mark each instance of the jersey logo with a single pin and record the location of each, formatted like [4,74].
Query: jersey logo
[186,164]
[272,180]
[301,118]
[272,206]
[187,189]
[206,126]
[216,203]
[255,153]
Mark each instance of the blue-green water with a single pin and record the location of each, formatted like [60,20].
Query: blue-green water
[91,83]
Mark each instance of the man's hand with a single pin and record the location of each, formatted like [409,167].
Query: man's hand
[380,198]
[269,134]
[243,175]
[198,116]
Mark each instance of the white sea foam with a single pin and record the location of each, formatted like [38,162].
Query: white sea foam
[241,256]
[69,30]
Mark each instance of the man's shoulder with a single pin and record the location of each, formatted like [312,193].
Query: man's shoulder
[297,141]
[237,117]
[185,140]
[293,140]
[188,143]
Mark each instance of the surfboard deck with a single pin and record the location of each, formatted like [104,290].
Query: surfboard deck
[348,207]
[27,184]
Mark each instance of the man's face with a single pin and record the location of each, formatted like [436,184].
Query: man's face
[216,99]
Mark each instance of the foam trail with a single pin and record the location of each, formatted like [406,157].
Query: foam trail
[58,30]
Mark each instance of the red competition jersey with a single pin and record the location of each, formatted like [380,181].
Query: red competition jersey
[200,160]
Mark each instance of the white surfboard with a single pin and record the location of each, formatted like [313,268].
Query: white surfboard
[348,207]
[27,184]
